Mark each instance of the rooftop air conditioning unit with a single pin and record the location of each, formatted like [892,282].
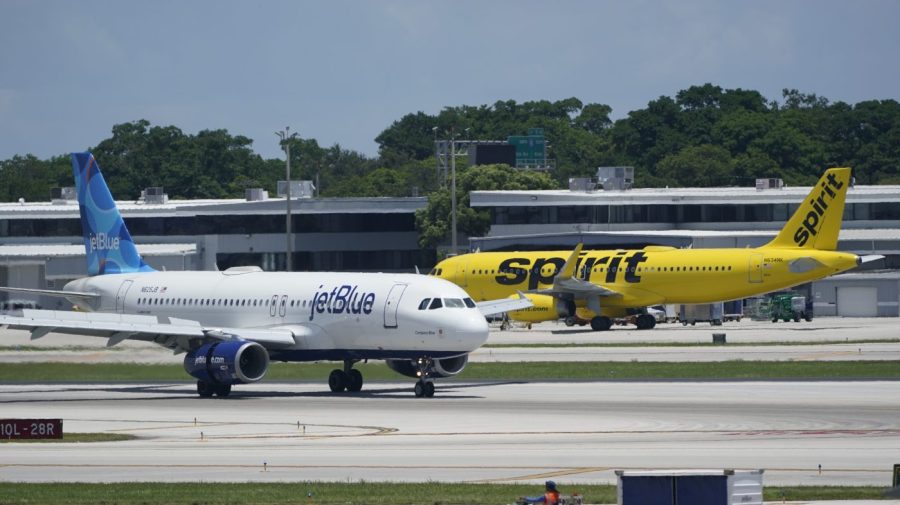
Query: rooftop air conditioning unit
[615,178]
[770,183]
[299,189]
[256,194]
[154,195]
[581,184]
[61,196]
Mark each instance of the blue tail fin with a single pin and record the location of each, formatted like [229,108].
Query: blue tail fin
[107,243]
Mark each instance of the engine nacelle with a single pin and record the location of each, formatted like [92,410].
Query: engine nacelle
[546,308]
[445,367]
[228,362]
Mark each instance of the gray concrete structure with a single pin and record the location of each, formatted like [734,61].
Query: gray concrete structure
[41,244]
[858,295]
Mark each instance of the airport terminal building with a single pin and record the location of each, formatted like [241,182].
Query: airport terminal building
[41,244]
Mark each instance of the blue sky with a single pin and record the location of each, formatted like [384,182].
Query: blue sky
[341,71]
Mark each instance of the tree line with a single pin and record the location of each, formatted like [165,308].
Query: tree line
[702,136]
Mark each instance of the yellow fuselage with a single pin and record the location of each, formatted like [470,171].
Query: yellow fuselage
[645,277]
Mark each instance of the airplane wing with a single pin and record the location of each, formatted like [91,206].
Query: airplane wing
[51,292]
[566,283]
[169,332]
[494,307]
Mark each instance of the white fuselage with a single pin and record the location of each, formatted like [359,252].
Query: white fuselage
[330,314]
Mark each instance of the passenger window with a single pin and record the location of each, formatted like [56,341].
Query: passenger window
[435,304]
[424,304]
[469,303]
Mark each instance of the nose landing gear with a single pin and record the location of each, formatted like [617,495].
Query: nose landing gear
[425,386]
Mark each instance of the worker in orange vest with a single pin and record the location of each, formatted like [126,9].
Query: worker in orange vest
[550,497]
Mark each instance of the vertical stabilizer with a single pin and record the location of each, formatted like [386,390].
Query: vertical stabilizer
[107,243]
[817,222]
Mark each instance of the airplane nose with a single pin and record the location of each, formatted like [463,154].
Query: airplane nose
[472,331]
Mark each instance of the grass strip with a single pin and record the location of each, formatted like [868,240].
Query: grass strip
[73,438]
[356,493]
[591,370]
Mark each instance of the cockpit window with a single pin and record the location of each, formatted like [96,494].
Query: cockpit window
[469,303]
[454,303]
[433,271]
[424,304]
[435,304]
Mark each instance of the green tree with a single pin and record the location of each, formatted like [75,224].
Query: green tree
[705,166]
[433,222]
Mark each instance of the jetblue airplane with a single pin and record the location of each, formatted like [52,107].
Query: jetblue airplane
[232,324]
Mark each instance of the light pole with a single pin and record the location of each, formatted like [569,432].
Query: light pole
[286,137]
[453,190]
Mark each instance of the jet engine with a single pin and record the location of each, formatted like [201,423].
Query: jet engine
[444,367]
[546,308]
[228,362]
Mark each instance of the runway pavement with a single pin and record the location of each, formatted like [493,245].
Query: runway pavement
[573,432]
[834,338]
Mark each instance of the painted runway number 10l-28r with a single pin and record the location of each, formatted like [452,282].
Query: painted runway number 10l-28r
[30,428]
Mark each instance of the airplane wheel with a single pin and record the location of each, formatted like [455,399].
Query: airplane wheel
[338,380]
[645,322]
[570,321]
[429,390]
[205,389]
[601,323]
[419,390]
[223,390]
[356,381]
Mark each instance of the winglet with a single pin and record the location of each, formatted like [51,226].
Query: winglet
[568,269]
[107,243]
[817,222]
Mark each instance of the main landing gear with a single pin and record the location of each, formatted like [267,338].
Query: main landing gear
[601,323]
[349,379]
[207,389]
[425,386]
[645,322]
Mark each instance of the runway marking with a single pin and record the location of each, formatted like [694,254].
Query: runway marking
[546,475]
[887,432]
[821,355]
[373,431]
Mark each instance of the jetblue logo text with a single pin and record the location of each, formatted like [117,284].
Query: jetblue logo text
[344,299]
[516,270]
[810,225]
[104,242]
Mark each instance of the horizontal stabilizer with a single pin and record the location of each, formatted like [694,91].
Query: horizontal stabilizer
[870,257]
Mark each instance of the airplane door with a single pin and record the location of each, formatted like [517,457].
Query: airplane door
[120,296]
[463,278]
[282,308]
[273,306]
[391,305]
[756,268]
